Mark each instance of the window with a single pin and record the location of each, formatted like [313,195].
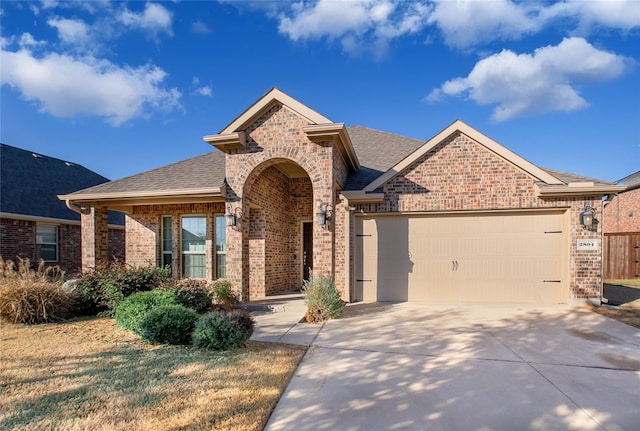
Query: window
[194,235]
[221,247]
[47,243]
[167,242]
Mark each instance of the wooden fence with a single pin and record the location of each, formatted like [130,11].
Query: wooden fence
[621,255]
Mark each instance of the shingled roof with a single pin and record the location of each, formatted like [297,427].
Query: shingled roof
[631,181]
[196,173]
[30,183]
[567,178]
[377,152]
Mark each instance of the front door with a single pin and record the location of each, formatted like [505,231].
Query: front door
[307,249]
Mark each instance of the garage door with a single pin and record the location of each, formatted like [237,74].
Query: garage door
[518,257]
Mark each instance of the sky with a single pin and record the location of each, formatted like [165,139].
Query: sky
[124,87]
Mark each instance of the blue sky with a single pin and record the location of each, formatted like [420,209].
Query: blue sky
[123,87]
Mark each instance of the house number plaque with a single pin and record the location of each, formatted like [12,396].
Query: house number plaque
[588,244]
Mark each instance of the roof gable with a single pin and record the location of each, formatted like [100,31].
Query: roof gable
[461,127]
[263,104]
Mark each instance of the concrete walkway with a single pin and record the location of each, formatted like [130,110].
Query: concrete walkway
[278,320]
[456,367]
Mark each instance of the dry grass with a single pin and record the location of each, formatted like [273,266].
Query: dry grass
[634,282]
[628,315]
[33,296]
[92,375]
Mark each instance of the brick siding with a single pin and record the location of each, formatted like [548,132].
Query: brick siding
[623,213]
[18,240]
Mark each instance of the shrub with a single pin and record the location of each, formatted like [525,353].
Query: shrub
[194,294]
[130,312]
[168,324]
[223,294]
[222,330]
[322,299]
[34,296]
[109,284]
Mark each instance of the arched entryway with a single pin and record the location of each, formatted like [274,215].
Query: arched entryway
[278,233]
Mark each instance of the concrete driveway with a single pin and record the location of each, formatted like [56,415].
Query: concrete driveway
[466,367]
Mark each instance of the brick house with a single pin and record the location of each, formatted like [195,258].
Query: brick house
[458,217]
[622,231]
[623,212]
[34,223]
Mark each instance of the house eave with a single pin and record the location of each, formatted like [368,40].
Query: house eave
[337,133]
[48,220]
[123,201]
[361,197]
[560,191]
[228,141]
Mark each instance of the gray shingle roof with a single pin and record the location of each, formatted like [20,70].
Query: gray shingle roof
[205,171]
[567,178]
[632,180]
[30,183]
[377,152]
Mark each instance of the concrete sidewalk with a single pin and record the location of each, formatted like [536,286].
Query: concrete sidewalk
[466,367]
[278,320]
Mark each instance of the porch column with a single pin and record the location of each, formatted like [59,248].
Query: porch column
[237,266]
[95,233]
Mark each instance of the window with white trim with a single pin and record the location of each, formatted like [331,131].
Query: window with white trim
[167,242]
[194,239]
[221,247]
[47,243]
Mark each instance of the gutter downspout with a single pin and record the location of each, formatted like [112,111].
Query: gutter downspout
[75,208]
[604,204]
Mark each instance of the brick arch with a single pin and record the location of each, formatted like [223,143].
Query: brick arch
[267,160]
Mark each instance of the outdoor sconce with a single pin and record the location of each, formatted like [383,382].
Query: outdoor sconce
[322,215]
[587,218]
[233,217]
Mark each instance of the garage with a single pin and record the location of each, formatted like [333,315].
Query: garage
[480,257]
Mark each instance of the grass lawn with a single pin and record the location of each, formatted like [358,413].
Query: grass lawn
[91,375]
[634,282]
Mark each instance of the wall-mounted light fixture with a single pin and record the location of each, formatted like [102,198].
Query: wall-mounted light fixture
[587,218]
[234,217]
[323,215]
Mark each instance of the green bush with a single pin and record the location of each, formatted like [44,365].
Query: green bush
[222,330]
[194,294]
[109,284]
[168,324]
[223,294]
[34,296]
[322,299]
[130,312]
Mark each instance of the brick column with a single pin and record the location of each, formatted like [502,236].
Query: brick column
[95,234]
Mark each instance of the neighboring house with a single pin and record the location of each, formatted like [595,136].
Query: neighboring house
[458,217]
[622,231]
[34,223]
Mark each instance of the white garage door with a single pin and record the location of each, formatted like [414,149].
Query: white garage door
[517,257]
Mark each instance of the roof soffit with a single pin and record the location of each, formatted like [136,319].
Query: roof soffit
[490,144]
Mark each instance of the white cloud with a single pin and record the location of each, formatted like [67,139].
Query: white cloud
[525,84]
[204,91]
[72,31]
[155,18]
[65,86]
[27,40]
[356,23]
[618,14]
[466,23]
[469,23]
[199,27]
